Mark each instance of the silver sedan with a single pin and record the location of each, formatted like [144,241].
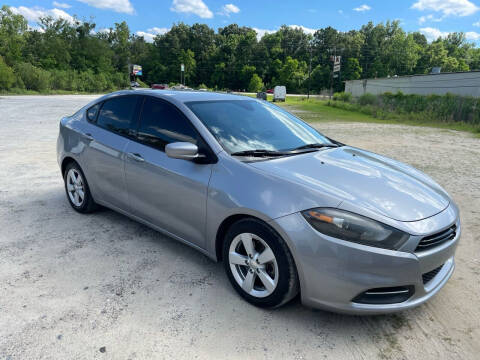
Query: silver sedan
[288,210]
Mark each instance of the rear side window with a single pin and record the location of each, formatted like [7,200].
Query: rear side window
[117,115]
[162,124]
[92,112]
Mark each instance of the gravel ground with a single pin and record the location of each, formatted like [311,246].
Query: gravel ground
[105,287]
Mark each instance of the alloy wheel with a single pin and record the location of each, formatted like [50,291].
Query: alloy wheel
[75,187]
[253,265]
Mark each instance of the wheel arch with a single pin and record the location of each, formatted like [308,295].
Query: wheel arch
[232,219]
[222,231]
[67,160]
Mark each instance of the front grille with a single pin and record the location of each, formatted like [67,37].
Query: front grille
[427,277]
[387,295]
[431,241]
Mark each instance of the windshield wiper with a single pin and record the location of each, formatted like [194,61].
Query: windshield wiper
[267,153]
[259,153]
[314,146]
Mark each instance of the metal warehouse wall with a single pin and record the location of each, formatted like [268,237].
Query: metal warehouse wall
[461,83]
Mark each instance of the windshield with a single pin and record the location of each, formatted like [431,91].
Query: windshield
[242,125]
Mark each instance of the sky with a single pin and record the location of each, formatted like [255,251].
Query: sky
[150,17]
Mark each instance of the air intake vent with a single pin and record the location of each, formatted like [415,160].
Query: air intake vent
[431,241]
[427,277]
[388,295]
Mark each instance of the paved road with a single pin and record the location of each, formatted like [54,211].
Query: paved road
[104,287]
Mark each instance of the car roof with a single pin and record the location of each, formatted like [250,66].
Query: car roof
[182,95]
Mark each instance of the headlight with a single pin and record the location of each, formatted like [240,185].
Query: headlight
[356,228]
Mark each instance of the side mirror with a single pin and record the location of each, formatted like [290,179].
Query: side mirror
[182,150]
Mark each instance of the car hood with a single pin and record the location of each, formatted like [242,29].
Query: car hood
[379,184]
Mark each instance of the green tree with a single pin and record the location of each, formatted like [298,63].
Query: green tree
[352,69]
[255,84]
[12,35]
[61,54]
[218,76]
[292,74]
[320,77]
[7,78]
[187,58]
[246,76]
[119,40]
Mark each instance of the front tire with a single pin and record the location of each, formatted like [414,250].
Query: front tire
[259,264]
[77,190]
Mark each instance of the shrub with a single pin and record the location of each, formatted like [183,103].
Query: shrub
[142,84]
[7,77]
[33,78]
[119,81]
[434,108]
[256,83]
[367,99]
[342,96]
[19,85]
[60,80]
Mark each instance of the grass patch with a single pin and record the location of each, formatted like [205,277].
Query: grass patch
[314,109]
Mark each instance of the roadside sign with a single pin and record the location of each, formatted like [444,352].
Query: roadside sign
[182,67]
[337,60]
[137,70]
[336,68]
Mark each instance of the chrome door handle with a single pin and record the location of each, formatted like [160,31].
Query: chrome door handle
[89,136]
[136,157]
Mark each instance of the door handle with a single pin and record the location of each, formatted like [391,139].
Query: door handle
[136,157]
[88,136]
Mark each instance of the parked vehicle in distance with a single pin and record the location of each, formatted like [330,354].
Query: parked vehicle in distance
[159,86]
[262,95]
[270,91]
[181,87]
[287,209]
[279,93]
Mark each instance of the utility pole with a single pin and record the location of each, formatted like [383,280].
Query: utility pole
[182,74]
[309,71]
[337,60]
[332,78]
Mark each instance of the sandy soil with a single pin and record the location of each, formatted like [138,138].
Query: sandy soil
[102,286]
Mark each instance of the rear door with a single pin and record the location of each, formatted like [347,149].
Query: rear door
[110,132]
[169,193]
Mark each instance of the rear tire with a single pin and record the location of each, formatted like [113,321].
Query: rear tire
[77,190]
[259,264]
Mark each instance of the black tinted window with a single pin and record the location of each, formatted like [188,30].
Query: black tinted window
[92,112]
[118,115]
[161,124]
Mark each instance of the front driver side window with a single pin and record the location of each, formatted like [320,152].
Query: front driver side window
[162,124]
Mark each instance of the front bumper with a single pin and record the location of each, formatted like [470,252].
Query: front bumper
[333,272]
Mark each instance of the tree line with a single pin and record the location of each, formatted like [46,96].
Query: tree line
[61,55]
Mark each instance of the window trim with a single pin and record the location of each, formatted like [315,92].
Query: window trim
[203,146]
[100,104]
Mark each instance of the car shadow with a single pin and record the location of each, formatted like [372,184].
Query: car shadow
[109,236]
